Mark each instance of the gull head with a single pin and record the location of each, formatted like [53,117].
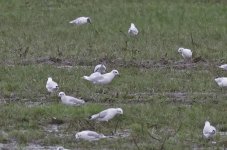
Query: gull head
[207,123]
[213,131]
[77,135]
[132,25]
[50,79]
[61,94]
[89,20]
[119,111]
[115,72]
[180,49]
[218,80]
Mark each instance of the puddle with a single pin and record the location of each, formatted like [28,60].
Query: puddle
[32,104]
[118,62]
[9,146]
[121,134]
[15,146]
[39,147]
[51,128]
[65,67]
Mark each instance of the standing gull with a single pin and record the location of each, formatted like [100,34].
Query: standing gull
[89,135]
[81,21]
[133,31]
[208,131]
[69,100]
[107,114]
[186,53]
[51,86]
[101,79]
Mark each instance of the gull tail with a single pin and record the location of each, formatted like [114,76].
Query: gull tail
[86,78]
[71,21]
[93,117]
[103,136]
[81,102]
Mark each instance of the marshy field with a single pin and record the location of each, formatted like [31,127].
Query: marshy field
[165,99]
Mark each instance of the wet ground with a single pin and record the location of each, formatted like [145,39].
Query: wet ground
[56,126]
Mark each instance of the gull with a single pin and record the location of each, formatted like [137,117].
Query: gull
[133,31]
[221,81]
[51,86]
[89,135]
[101,79]
[186,53]
[100,68]
[81,20]
[208,130]
[69,100]
[107,114]
[224,66]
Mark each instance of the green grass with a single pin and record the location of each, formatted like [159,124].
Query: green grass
[165,102]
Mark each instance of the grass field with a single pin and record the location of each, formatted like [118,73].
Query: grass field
[165,100]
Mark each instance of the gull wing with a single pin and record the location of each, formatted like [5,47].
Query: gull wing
[75,100]
[103,114]
[96,76]
[52,85]
[93,134]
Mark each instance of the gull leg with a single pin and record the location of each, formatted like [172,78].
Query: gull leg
[115,129]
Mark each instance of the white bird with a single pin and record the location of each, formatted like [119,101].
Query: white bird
[81,20]
[101,79]
[133,31]
[224,66]
[186,53]
[89,135]
[208,130]
[100,68]
[222,81]
[69,100]
[107,114]
[51,86]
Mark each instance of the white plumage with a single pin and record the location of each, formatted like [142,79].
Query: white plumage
[81,20]
[61,148]
[101,79]
[107,114]
[208,131]
[89,135]
[224,66]
[69,100]
[186,53]
[133,31]
[222,81]
[100,68]
[93,77]
[51,86]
